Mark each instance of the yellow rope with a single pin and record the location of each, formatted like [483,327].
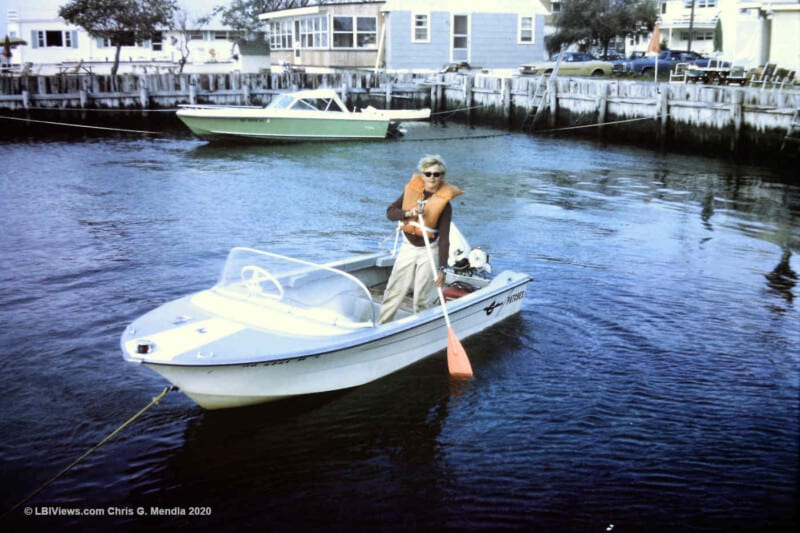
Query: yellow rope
[130,421]
[80,125]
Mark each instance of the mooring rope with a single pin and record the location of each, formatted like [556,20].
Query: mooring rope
[77,461]
[447,112]
[81,125]
[114,110]
[456,138]
[554,130]
[595,125]
[454,111]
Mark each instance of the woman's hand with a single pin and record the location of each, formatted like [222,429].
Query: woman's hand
[412,213]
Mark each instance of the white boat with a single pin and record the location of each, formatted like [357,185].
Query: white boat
[310,115]
[275,327]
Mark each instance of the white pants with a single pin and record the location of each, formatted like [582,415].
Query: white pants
[411,267]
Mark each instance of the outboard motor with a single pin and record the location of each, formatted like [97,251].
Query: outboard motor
[464,260]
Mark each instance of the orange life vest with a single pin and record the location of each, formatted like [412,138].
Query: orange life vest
[434,206]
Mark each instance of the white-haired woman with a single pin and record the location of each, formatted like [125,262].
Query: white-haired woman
[411,268]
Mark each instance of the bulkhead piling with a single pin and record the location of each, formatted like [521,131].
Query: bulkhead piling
[747,121]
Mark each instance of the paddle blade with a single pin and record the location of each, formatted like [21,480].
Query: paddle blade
[457,360]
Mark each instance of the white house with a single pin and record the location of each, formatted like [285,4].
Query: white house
[341,34]
[753,32]
[52,43]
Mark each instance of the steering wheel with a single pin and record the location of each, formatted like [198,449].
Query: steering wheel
[253,275]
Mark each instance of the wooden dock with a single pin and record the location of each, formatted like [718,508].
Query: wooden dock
[713,119]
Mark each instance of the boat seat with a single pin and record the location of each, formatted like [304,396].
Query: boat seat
[385,261]
[354,307]
[457,290]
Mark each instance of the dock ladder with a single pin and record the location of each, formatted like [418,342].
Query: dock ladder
[793,132]
[540,96]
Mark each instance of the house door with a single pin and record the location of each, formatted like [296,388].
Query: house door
[460,42]
[297,57]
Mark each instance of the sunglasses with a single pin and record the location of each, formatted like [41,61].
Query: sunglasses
[434,174]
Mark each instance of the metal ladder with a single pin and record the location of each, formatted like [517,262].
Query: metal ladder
[540,96]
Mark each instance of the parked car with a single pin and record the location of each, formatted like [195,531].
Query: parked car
[666,60]
[612,55]
[573,64]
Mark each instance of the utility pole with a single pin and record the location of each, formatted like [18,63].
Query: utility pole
[691,28]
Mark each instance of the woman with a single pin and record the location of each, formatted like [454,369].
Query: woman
[427,193]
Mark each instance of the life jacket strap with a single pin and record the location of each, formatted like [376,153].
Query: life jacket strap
[422,227]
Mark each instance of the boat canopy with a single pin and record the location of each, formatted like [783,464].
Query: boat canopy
[298,287]
[314,100]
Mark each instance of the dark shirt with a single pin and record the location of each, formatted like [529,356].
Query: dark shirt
[395,212]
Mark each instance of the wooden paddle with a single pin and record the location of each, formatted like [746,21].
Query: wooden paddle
[457,360]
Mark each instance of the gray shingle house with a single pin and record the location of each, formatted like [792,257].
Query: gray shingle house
[408,34]
[425,34]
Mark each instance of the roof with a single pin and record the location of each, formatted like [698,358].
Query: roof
[297,12]
[467,6]
[312,10]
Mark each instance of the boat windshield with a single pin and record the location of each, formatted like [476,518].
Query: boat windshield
[314,290]
[288,101]
[283,101]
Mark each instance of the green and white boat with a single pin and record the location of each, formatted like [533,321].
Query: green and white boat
[311,115]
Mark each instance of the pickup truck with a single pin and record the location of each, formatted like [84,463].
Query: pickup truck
[666,60]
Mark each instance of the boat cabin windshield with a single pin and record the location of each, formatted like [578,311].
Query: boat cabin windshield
[290,101]
[299,287]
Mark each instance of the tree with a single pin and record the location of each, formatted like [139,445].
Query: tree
[122,22]
[718,36]
[242,15]
[587,21]
[182,23]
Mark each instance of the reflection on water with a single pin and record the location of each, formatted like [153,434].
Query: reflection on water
[783,279]
[649,382]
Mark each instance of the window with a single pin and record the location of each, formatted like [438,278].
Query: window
[555,6]
[312,32]
[355,32]
[460,48]
[54,39]
[342,32]
[157,42]
[526,30]
[698,35]
[280,35]
[699,3]
[421,29]
[366,32]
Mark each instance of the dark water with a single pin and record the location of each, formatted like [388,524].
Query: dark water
[650,382]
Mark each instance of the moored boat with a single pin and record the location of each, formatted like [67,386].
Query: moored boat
[275,327]
[310,115]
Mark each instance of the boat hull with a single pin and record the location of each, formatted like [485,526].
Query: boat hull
[221,363]
[263,127]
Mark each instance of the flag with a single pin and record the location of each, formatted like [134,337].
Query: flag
[654,46]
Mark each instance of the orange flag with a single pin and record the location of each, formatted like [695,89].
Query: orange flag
[654,46]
